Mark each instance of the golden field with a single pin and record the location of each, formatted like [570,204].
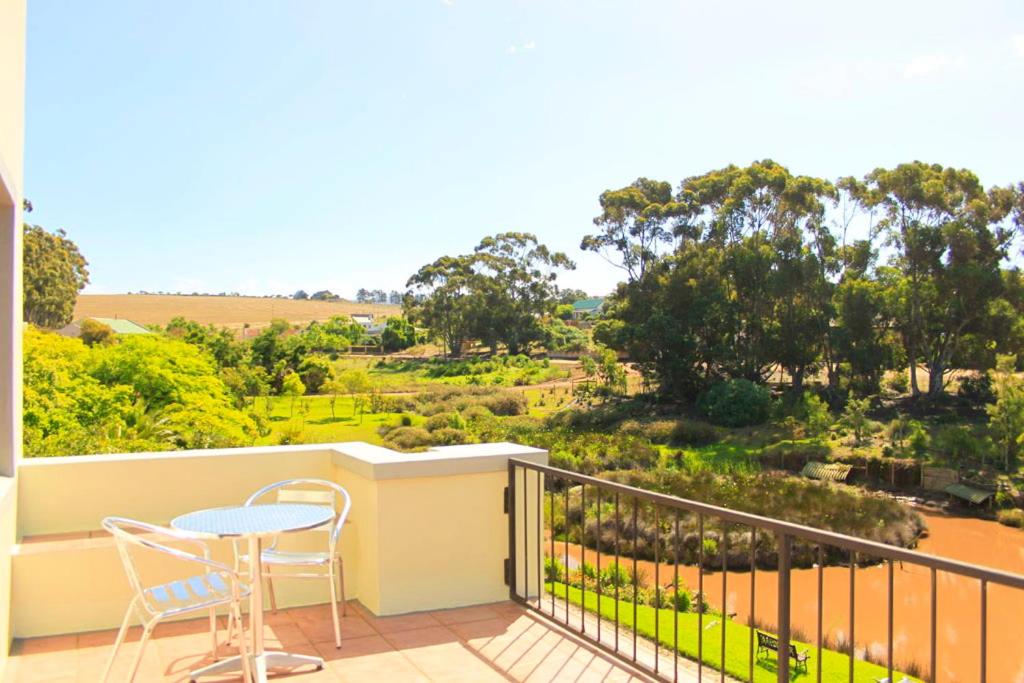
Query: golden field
[224,311]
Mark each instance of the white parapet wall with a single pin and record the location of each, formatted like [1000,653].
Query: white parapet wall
[427,530]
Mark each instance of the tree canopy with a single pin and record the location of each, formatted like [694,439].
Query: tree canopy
[54,273]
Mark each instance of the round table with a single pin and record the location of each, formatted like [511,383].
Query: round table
[254,523]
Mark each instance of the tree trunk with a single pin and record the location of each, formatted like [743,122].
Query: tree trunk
[936,380]
[798,380]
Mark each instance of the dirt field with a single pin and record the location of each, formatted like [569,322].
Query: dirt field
[225,311]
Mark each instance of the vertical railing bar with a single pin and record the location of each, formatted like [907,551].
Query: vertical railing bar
[933,673]
[984,630]
[675,603]
[753,593]
[785,585]
[540,538]
[551,509]
[821,603]
[888,658]
[657,588]
[700,597]
[566,553]
[853,591]
[597,569]
[725,593]
[526,539]
[583,558]
[636,504]
[511,530]
[618,523]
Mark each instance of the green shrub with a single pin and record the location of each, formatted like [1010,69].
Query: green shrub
[445,421]
[554,570]
[977,389]
[405,421]
[898,383]
[956,443]
[736,403]
[588,570]
[1013,517]
[408,438]
[449,436]
[614,575]
[475,413]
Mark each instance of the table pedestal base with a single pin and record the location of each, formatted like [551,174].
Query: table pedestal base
[259,664]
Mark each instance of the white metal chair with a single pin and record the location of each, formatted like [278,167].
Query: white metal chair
[307,565]
[216,584]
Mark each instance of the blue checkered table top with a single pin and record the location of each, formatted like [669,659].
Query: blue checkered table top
[253,520]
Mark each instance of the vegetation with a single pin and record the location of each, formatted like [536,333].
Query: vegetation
[834,665]
[54,273]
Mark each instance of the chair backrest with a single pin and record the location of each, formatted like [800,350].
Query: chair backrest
[130,534]
[765,640]
[311,492]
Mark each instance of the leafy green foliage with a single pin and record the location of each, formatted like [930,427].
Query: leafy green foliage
[398,335]
[54,273]
[735,403]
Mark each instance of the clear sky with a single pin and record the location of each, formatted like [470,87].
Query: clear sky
[264,147]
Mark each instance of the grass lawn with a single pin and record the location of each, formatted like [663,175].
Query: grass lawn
[317,424]
[722,458]
[835,666]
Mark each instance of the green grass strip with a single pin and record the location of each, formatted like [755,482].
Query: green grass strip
[835,666]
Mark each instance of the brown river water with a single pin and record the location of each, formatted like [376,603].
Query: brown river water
[959,600]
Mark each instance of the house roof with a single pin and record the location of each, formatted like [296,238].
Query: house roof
[588,304]
[830,472]
[968,493]
[120,325]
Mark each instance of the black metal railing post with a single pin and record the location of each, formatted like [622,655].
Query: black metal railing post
[785,567]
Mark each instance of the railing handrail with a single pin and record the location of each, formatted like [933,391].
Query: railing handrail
[796,531]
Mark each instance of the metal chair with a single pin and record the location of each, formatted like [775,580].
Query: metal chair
[311,565]
[215,585]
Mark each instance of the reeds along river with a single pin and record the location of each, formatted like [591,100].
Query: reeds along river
[959,601]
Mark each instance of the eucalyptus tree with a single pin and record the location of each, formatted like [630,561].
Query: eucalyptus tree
[948,236]
[438,297]
[635,226]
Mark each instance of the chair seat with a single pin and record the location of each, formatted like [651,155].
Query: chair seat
[195,592]
[284,557]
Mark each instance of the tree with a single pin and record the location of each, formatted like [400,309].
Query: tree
[515,276]
[855,418]
[1006,415]
[398,335]
[354,382]
[439,298]
[314,370]
[292,386]
[301,294]
[324,295]
[333,388]
[948,238]
[633,224]
[55,272]
[95,332]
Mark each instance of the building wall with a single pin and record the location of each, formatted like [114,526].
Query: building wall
[12,183]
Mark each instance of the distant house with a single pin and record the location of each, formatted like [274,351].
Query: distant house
[587,307]
[118,325]
[364,319]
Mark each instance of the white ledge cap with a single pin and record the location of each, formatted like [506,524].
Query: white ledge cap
[376,462]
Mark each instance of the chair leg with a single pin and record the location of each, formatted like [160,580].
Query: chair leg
[147,630]
[270,589]
[334,605]
[122,632]
[341,584]
[243,647]
[213,631]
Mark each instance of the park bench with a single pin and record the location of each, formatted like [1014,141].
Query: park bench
[767,643]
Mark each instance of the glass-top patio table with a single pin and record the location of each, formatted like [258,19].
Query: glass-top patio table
[254,523]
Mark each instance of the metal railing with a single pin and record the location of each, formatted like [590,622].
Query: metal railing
[534,490]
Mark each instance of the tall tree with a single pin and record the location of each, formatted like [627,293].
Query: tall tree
[55,272]
[948,236]
[634,225]
[439,299]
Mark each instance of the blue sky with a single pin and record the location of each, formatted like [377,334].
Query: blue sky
[263,147]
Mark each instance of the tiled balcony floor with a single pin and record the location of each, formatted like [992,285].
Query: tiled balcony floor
[499,642]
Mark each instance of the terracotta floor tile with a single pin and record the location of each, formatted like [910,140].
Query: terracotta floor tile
[462,615]
[354,648]
[407,622]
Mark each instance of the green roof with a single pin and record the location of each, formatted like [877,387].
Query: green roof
[833,472]
[122,326]
[588,304]
[968,493]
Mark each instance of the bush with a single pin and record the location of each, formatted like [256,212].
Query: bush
[736,403]
[408,438]
[614,575]
[898,383]
[448,436]
[977,389]
[405,421]
[554,570]
[956,444]
[1014,517]
[476,413]
[672,432]
[445,421]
